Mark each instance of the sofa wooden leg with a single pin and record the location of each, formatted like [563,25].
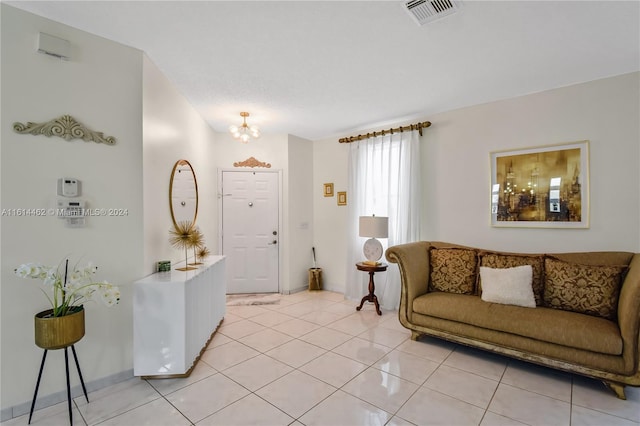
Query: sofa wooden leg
[415,335]
[617,388]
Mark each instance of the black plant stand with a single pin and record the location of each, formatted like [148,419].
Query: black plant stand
[66,364]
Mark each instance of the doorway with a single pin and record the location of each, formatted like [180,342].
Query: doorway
[250,230]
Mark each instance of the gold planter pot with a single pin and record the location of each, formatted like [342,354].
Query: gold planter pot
[58,332]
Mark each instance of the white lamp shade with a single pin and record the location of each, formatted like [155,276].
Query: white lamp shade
[374,226]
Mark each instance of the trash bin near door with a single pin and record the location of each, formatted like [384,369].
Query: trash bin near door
[315,278]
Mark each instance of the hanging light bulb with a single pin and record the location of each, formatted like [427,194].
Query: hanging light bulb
[244,132]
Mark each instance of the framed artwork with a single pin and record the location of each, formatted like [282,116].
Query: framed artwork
[342,198]
[328,189]
[541,187]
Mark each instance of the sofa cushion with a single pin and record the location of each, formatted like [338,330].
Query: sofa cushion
[508,286]
[453,270]
[498,260]
[587,289]
[563,328]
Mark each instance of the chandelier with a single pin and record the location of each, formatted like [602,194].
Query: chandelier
[244,131]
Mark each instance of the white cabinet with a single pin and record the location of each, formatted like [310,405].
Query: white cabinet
[175,314]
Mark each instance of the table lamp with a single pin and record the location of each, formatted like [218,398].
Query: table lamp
[373,227]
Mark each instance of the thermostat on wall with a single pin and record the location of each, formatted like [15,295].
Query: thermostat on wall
[68,187]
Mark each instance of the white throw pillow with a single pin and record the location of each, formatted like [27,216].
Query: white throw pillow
[508,286]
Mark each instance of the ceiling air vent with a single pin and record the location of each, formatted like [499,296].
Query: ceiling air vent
[424,11]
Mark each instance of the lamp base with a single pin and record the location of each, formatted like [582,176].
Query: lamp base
[372,250]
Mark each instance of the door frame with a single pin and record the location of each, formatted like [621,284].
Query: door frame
[281,232]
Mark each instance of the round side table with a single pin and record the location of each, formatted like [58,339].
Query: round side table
[371,297]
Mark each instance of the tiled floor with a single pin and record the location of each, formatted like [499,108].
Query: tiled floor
[313,360]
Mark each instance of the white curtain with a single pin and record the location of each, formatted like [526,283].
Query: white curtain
[384,179]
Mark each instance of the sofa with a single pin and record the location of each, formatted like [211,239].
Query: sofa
[575,312]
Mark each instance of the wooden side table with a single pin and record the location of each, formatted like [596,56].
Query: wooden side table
[371,297]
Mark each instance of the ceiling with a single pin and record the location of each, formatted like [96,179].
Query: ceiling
[323,69]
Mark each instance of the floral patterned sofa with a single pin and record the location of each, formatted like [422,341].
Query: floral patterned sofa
[576,312]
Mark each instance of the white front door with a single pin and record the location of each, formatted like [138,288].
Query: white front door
[250,234]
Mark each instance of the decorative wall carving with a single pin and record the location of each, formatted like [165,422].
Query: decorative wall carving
[252,162]
[65,127]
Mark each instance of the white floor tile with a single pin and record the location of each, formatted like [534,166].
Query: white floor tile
[538,379]
[381,389]
[166,386]
[493,419]
[207,396]
[479,362]
[528,407]
[117,399]
[362,350]
[326,338]
[465,386]
[581,416]
[594,395]
[384,336]
[312,359]
[296,353]
[296,327]
[240,329]
[433,408]
[265,340]
[248,411]
[246,311]
[296,393]
[428,347]
[257,372]
[333,369]
[228,355]
[406,366]
[322,317]
[344,409]
[155,413]
[271,318]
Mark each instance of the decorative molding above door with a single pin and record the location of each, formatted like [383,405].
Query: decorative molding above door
[252,162]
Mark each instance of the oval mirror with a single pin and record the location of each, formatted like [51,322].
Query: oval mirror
[183,193]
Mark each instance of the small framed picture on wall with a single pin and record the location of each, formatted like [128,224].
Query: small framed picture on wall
[328,189]
[342,198]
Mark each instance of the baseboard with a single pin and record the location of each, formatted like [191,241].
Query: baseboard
[58,397]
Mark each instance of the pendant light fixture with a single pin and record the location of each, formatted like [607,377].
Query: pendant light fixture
[244,132]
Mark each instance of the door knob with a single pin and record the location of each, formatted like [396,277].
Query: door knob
[273,243]
[275,232]
[250,204]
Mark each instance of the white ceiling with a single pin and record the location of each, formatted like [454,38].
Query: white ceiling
[320,69]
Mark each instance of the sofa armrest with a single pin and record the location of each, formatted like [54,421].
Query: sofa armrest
[413,263]
[629,316]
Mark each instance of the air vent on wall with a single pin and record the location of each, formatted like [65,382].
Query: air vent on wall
[424,11]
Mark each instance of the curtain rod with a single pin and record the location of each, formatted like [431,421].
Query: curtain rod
[417,126]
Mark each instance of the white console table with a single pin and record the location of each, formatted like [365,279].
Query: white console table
[175,315]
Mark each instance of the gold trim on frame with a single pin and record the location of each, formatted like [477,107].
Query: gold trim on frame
[252,162]
[328,189]
[65,127]
[523,194]
[342,198]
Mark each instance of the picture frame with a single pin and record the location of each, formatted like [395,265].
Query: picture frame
[541,187]
[342,198]
[328,189]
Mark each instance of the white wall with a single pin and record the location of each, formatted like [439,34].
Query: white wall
[299,212]
[330,165]
[172,131]
[101,86]
[456,171]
